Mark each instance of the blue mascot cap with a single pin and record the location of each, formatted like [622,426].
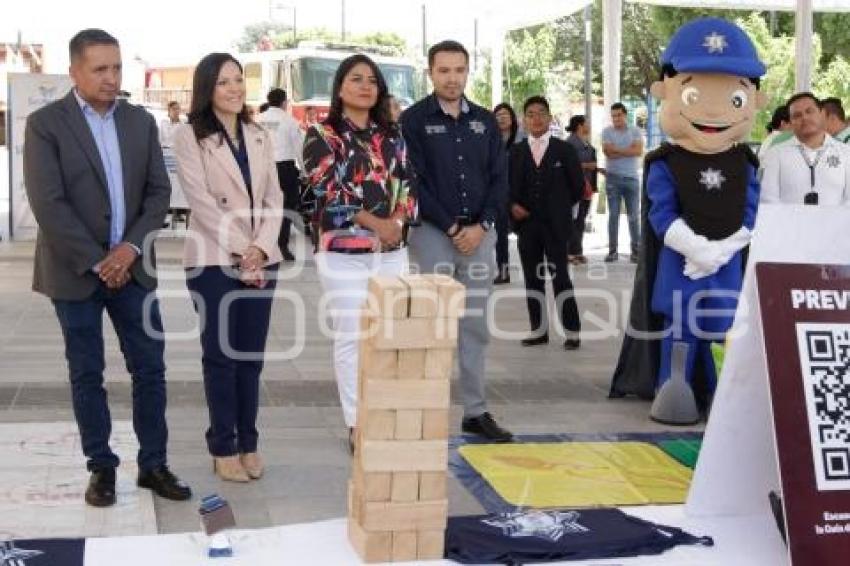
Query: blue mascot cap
[713,45]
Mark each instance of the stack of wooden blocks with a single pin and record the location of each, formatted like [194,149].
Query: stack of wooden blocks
[397,506]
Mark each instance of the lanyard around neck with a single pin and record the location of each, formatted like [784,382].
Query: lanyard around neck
[812,164]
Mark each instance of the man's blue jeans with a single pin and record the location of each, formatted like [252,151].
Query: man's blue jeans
[618,187]
[140,336]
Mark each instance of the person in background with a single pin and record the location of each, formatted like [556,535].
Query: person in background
[169,124]
[226,167]
[98,188]
[395,109]
[836,120]
[579,139]
[812,168]
[779,131]
[623,147]
[508,125]
[458,158]
[546,182]
[288,141]
[310,116]
[356,166]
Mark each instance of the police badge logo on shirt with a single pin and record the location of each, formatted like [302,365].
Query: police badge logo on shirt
[548,525]
[435,129]
[712,179]
[477,127]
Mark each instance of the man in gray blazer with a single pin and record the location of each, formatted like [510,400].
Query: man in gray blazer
[98,188]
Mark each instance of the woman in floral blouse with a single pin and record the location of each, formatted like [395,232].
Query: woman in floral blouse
[357,168]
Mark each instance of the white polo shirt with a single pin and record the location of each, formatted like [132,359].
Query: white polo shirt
[788,176]
[286,134]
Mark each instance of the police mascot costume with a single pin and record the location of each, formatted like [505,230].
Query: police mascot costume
[698,210]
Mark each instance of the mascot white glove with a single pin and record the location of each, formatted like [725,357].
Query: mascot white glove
[730,246]
[707,256]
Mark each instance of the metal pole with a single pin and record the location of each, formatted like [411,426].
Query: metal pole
[343,20]
[294,26]
[475,48]
[424,33]
[588,62]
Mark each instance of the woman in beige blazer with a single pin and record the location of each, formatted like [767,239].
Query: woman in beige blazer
[228,173]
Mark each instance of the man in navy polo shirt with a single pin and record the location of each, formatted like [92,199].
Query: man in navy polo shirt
[458,164]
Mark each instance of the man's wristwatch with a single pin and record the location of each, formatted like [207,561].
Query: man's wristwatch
[486,225]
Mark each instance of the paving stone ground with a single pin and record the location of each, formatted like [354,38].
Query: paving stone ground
[531,390]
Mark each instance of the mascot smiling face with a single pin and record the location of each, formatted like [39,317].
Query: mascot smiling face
[709,87]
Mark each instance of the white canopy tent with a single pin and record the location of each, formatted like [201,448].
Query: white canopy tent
[501,18]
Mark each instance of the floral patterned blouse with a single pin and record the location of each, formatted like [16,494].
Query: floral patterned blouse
[356,169]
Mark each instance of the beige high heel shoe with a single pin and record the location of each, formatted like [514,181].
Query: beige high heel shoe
[253,465]
[229,468]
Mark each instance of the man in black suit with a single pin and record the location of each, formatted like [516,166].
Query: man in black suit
[546,181]
[97,185]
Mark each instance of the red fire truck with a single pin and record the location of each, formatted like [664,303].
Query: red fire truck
[305,72]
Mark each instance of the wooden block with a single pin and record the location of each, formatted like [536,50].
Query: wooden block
[452,296]
[418,516]
[351,494]
[405,394]
[439,363]
[430,545]
[405,546]
[404,455]
[405,486]
[370,546]
[387,298]
[435,424]
[411,364]
[370,486]
[374,424]
[424,296]
[414,333]
[408,425]
[432,485]
[376,364]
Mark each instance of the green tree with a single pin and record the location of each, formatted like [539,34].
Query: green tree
[832,81]
[777,53]
[529,56]
[253,34]
[641,48]
[280,36]
[482,86]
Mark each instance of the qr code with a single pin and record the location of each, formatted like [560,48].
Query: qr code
[825,364]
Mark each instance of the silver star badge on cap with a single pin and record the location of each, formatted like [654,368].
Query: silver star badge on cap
[715,43]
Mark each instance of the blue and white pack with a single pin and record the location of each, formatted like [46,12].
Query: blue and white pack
[43,552]
[526,537]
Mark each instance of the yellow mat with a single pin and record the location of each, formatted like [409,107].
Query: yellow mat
[580,474]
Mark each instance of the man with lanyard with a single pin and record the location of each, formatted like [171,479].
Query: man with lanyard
[836,119]
[456,154]
[288,140]
[813,168]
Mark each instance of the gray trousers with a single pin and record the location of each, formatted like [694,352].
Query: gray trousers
[431,251]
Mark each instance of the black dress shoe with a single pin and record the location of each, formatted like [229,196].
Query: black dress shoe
[535,340]
[287,255]
[351,440]
[165,484]
[572,344]
[101,489]
[484,425]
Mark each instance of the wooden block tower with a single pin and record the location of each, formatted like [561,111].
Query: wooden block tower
[397,505]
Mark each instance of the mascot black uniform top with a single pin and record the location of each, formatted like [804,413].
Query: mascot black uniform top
[699,206]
